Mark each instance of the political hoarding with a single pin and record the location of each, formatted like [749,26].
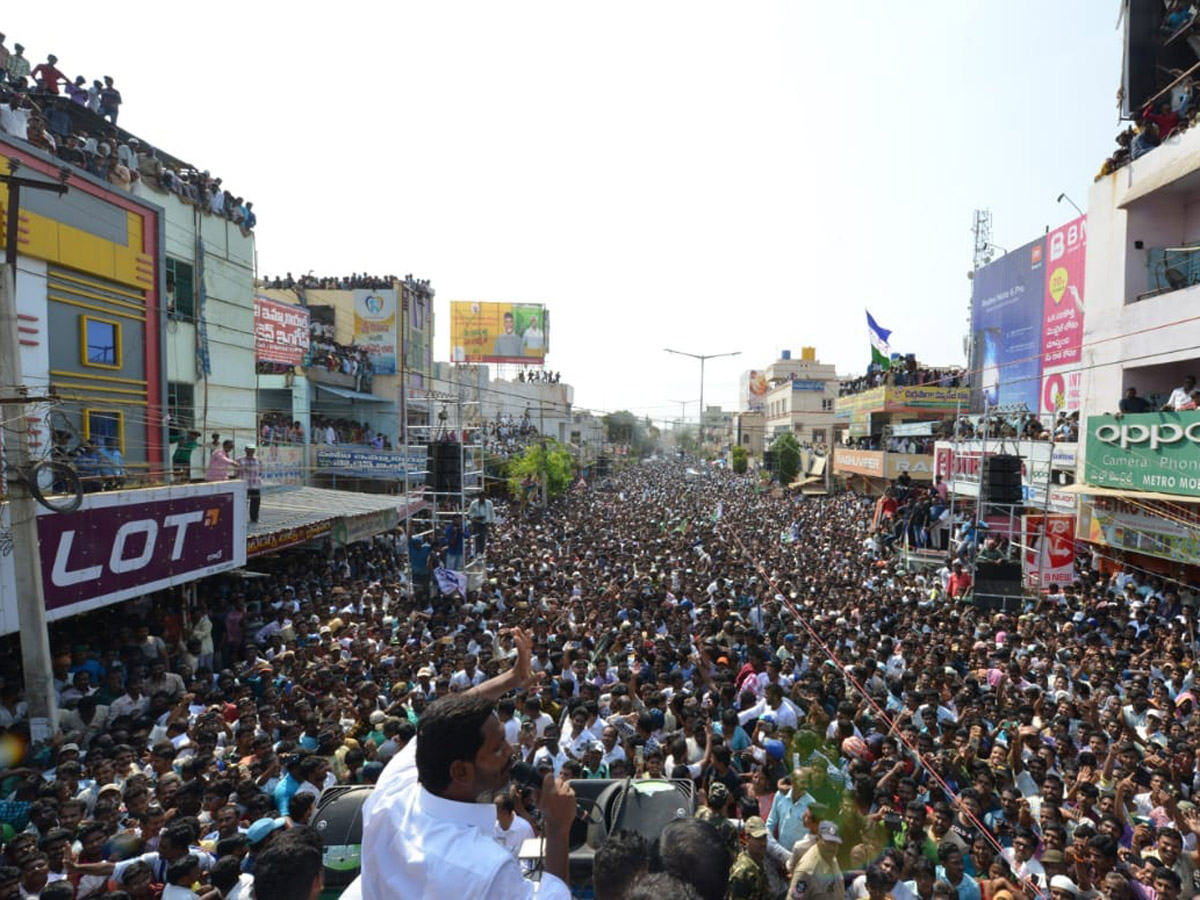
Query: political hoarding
[1165,530]
[499,332]
[1062,320]
[281,331]
[754,386]
[387,465]
[124,544]
[376,327]
[1006,326]
[1049,549]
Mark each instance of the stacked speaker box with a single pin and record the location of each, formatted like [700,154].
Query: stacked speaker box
[769,460]
[1001,480]
[443,464]
[998,585]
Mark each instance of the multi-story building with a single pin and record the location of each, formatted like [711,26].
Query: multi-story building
[93,327]
[345,388]
[800,398]
[1140,500]
[888,430]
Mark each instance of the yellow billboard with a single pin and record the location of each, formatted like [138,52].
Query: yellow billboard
[498,332]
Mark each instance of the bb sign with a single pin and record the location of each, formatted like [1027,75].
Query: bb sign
[1157,451]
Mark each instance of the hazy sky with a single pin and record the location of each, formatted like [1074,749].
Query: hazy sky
[705,176]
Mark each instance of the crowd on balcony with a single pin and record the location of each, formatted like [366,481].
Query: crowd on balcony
[1023,426]
[279,428]
[353,281]
[77,123]
[903,373]
[1166,115]
[326,353]
[328,430]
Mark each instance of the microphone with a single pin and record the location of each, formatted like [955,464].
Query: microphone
[527,776]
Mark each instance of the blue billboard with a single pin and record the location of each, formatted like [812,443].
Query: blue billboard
[1006,329]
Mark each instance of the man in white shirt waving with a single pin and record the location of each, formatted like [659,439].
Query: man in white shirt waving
[428,827]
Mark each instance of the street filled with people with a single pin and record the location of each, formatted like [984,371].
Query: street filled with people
[848,728]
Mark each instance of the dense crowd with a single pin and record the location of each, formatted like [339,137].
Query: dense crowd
[905,372]
[327,430]
[279,428]
[847,737]
[77,123]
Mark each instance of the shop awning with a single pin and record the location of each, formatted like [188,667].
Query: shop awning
[1128,495]
[295,517]
[801,482]
[347,394]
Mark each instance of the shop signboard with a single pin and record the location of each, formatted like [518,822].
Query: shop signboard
[124,544]
[1142,526]
[351,462]
[1158,451]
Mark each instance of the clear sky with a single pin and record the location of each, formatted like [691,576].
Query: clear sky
[706,176]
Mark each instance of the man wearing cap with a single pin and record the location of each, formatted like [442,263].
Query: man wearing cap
[747,878]
[817,876]
[713,812]
[250,471]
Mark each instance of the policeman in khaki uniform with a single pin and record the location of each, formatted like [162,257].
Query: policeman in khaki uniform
[748,878]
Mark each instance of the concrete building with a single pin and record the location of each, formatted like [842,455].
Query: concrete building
[91,317]
[800,398]
[208,265]
[1142,494]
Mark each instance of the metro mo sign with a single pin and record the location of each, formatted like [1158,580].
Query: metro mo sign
[127,543]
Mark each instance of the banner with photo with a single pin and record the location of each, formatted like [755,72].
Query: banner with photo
[376,327]
[499,332]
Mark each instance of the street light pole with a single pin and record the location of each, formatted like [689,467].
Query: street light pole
[703,357]
[682,416]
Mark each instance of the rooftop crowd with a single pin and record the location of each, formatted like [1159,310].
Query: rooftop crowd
[77,123]
[353,281]
[846,736]
[906,372]
[1169,113]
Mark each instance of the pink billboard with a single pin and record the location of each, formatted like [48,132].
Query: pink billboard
[1062,317]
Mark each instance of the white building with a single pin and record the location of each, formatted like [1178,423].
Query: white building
[801,398]
[225,399]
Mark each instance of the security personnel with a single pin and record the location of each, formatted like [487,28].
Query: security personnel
[748,878]
[714,814]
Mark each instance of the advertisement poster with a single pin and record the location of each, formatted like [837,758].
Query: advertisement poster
[1158,451]
[498,332]
[1062,323]
[1156,529]
[281,332]
[754,391]
[1007,314]
[1049,550]
[127,543]
[375,327]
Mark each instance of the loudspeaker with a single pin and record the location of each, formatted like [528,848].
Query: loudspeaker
[769,460]
[1001,482]
[443,464]
[338,820]
[998,579]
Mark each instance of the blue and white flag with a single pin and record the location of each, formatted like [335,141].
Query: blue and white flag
[881,350]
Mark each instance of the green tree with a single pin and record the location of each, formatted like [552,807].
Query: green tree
[740,460]
[787,457]
[548,458]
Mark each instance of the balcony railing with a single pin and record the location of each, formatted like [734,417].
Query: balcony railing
[1170,269]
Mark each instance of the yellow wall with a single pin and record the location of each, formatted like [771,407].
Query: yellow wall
[67,246]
